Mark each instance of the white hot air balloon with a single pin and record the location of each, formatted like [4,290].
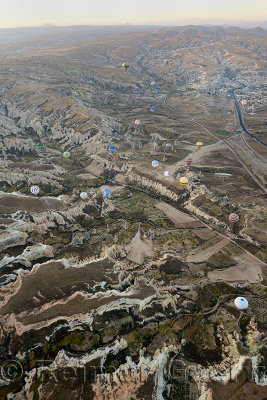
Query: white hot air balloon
[83,195]
[166,173]
[153,83]
[155,163]
[241,303]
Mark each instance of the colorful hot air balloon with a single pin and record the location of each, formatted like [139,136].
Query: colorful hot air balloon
[35,190]
[243,102]
[137,122]
[135,91]
[112,148]
[83,195]
[233,218]
[199,145]
[241,303]
[157,90]
[153,109]
[166,61]
[166,173]
[183,181]
[106,192]
[155,163]
[39,145]
[66,154]
[153,83]
[168,146]
[188,160]
[125,66]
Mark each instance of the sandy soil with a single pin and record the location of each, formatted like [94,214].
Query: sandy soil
[198,154]
[248,270]
[250,391]
[207,253]
[179,218]
[138,249]
[10,203]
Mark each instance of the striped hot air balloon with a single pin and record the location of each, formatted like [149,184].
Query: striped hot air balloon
[135,91]
[233,218]
[39,145]
[125,66]
[199,145]
[157,90]
[153,109]
[112,148]
[35,190]
[183,181]
[188,161]
[66,154]
[137,122]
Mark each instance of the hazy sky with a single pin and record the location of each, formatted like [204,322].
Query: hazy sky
[14,13]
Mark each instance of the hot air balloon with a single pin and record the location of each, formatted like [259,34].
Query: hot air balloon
[125,66]
[166,173]
[168,146]
[153,109]
[166,61]
[153,83]
[112,148]
[199,145]
[233,218]
[137,122]
[135,91]
[106,192]
[66,154]
[35,190]
[83,195]
[39,145]
[241,303]
[183,181]
[155,163]
[188,160]
[243,102]
[157,90]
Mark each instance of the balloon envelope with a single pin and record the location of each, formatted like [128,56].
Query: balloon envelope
[106,192]
[39,145]
[153,83]
[199,144]
[188,160]
[83,195]
[137,122]
[166,173]
[157,90]
[35,189]
[153,109]
[241,303]
[125,66]
[166,61]
[168,146]
[112,148]
[155,163]
[135,91]
[183,181]
[233,217]
[66,154]
[243,102]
